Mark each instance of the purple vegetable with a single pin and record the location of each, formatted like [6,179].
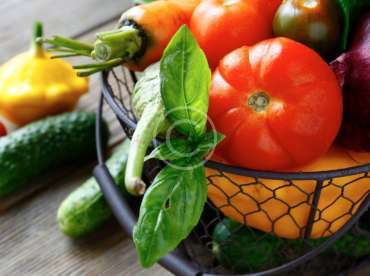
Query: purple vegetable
[353,72]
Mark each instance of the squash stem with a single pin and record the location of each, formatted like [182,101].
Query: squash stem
[148,127]
[36,46]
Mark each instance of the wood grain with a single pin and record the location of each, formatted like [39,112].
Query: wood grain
[67,17]
[30,242]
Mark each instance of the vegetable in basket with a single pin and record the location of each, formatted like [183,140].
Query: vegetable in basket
[173,204]
[148,107]
[44,145]
[222,26]
[316,24]
[245,250]
[323,25]
[242,249]
[353,72]
[351,11]
[282,208]
[33,86]
[144,32]
[277,103]
[85,209]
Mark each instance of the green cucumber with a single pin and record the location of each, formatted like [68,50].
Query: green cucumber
[44,145]
[85,209]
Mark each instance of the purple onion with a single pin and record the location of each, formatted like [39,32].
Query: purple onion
[353,72]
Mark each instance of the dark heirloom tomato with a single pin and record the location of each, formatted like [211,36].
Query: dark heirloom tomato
[278,104]
[316,23]
[221,26]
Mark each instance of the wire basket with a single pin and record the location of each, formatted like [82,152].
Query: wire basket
[281,211]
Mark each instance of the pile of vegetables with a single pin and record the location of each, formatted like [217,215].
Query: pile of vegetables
[267,85]
[275,102]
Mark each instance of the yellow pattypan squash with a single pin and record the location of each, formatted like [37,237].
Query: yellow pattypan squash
[32,85]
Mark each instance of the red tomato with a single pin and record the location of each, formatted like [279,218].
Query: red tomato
[278,104]
[2,129]
[221,26]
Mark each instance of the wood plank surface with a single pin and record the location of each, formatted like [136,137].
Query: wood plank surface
[30,242]
[67,17]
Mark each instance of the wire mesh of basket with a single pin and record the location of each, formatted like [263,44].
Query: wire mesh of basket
[291,222]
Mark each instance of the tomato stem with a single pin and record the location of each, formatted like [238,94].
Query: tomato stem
[259,101]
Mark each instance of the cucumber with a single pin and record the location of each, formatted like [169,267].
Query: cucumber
[85,209]
[44,145]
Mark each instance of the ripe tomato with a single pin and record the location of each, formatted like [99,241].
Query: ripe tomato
[2,129]
[221,26]
[278,104]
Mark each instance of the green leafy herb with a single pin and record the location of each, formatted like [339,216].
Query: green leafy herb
[173,204]
[173,149]
[171,208]
[208,142]
[185,80]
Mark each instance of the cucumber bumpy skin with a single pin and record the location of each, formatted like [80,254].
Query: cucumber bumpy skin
[45,145]
[85,209]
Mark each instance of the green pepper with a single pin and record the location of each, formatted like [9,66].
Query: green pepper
[316,23]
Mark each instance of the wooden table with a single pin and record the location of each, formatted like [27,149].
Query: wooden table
[30,242]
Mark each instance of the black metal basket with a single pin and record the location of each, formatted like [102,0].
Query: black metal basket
[272,209]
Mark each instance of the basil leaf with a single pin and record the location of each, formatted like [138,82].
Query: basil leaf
[208,142]
[173,149]
[170,209]
[185,79]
